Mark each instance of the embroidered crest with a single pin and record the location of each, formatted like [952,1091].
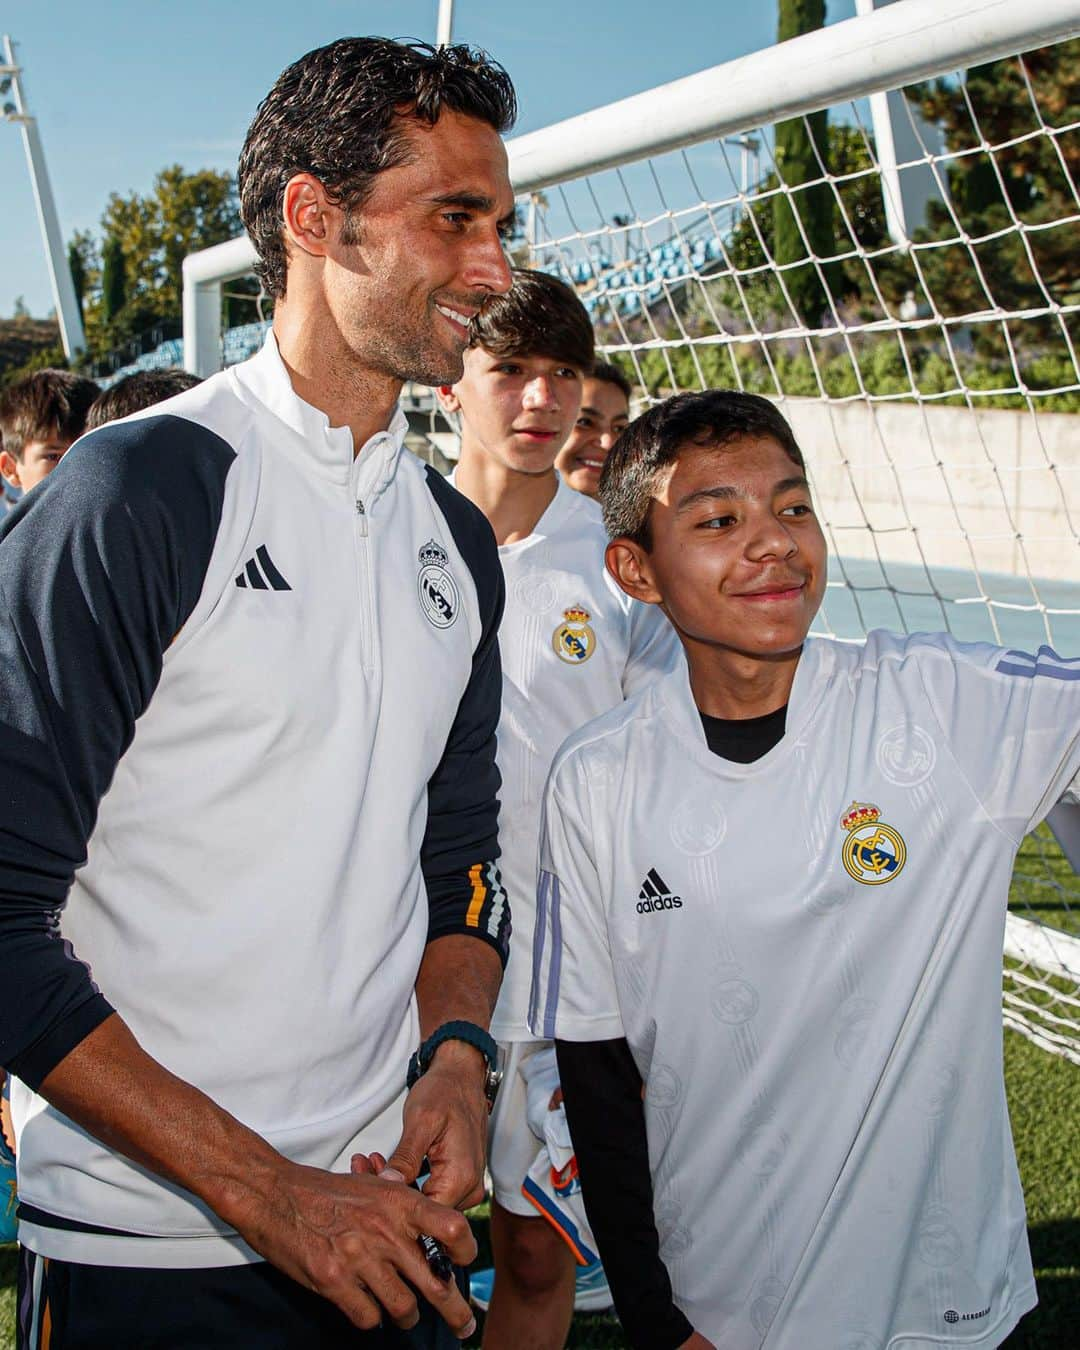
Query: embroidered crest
[573,640]
[439,597]
[873,852]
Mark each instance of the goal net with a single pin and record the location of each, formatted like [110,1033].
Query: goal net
[898,273]
[887,248]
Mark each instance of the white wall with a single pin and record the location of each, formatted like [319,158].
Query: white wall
[968,484]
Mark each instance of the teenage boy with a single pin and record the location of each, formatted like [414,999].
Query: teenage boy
[603,416]
[773,893]
[573,645]
[41,416]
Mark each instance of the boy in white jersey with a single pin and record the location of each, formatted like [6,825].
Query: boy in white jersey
[573,645]
[602,418]
[773,894]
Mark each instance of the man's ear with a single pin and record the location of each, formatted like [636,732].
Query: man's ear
[448,399]
[311,219]
[631,567]
[9,467]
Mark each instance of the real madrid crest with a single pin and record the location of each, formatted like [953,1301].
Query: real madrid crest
[573,640]
[439,597]
[873,852]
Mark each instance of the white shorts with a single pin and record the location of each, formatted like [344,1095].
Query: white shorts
[512,1146]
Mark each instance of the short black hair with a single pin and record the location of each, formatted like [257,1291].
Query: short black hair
[338,114]
[141,389]
[538,316]
[611,374]
[710,419]
[42,405]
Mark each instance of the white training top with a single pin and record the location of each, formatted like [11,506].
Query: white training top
[804,954]
[573,645]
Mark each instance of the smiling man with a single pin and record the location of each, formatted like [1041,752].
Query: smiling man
[235,791]
[770,923]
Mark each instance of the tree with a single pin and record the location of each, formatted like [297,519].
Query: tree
[113,279]
[1025,181]
[801,156]
[146,239]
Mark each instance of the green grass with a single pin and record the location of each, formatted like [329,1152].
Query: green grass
[1044,1104]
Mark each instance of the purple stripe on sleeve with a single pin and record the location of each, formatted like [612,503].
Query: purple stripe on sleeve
[555,969]
[539,935]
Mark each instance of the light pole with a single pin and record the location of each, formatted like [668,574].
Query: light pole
[445,25]
[14,110]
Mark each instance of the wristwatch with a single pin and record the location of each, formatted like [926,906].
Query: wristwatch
[472,1035]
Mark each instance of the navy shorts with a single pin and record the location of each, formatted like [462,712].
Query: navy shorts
[67,1306]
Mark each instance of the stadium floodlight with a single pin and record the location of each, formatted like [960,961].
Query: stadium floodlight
[67,307]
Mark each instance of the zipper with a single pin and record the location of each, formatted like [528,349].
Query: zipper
[361,514]
[365,585]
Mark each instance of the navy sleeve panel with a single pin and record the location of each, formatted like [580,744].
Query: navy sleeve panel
[602,1094]
[461,843]
[100,567]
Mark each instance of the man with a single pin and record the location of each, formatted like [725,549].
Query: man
[604,415]
[573,646]
[250,689]
[773,894]
[41,416]
[141,389]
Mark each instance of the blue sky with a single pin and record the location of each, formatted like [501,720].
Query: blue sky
[120,89]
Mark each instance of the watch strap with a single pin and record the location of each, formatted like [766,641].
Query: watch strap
[468,1032]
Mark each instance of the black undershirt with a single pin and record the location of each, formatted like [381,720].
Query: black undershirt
[603,1094]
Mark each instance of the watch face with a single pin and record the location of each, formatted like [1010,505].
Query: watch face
[491,1086]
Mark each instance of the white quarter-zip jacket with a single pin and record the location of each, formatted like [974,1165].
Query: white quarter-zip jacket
[804,955]
[249,687]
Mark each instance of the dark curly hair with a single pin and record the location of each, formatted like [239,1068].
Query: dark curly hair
[338,114]
[709,419]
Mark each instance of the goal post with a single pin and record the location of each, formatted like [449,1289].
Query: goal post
[927,358]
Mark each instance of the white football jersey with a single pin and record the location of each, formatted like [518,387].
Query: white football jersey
[804,954]
[573,645]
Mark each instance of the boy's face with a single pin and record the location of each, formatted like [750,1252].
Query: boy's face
[738,559]
[605,412]
[516,409]
[38,460]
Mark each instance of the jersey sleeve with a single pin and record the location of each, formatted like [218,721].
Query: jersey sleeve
[654,647]
[460,847]
[100,566]
[1011,720]
[573,981]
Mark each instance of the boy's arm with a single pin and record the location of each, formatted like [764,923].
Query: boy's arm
[602,1093]
[1011,721]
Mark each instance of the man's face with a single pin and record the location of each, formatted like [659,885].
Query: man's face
[424,252]
[738,558]
[39,458]
[517,409]
[605,412]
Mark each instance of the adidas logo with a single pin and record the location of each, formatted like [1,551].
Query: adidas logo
[655,895]
[261,575]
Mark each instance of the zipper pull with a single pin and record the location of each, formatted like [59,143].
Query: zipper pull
[361,514]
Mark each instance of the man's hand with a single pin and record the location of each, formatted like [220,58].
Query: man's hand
[445,1119]
[353,1239]
[350,1238]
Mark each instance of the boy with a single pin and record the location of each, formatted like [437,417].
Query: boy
[604,415]
[141,389]
[41,416]
[573,645]
[774,894]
